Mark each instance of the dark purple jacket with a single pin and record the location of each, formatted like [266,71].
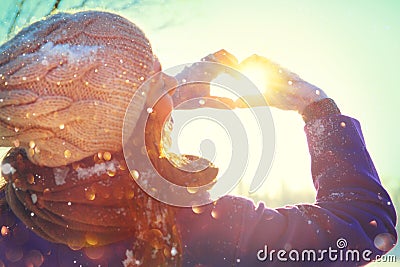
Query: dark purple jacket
[352,220]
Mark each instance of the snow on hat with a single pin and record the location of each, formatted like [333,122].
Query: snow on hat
[65,83]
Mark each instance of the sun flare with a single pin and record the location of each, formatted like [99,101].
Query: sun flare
[257,75]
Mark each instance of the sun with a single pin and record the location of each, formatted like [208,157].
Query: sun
[256,75]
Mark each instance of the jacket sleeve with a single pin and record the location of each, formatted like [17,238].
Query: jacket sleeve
[351,221]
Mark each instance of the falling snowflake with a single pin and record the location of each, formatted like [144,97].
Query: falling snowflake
[60,174]
[130,261]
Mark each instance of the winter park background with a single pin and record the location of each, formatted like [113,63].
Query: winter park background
[350,49]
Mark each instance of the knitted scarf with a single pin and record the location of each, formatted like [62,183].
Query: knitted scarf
[96,201]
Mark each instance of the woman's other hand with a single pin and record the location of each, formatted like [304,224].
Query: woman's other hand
[283,88]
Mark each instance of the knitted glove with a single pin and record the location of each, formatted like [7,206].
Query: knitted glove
[283,88]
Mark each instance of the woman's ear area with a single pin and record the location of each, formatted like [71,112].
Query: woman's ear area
[161,90]
[168,82]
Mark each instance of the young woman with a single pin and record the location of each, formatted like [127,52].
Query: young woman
[70,199]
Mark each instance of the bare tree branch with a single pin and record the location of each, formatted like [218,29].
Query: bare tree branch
[55,6]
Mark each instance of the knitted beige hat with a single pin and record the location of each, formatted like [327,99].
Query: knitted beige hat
[65,83]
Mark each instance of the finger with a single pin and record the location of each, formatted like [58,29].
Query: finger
[223,57]
[256,59]
[249,101]
[219,103]
[226,58]
[209,102]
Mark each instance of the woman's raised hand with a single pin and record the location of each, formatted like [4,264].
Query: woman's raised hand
[195,80]
[283,88]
